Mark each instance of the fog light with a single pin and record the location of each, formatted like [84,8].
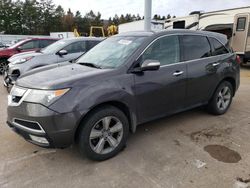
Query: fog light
[41,140]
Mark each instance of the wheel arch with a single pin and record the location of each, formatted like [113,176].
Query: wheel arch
[229,79]
[232,81]
[120,105]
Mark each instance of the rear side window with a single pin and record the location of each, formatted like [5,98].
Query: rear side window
[30,45]
[76,47]
[91,44]
[195,47]
[45,43]
[166,50]
[218,48]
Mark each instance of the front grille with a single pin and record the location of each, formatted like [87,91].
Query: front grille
[28,124]
[15,73]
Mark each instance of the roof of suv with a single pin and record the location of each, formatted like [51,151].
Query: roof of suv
[219,36]
[83,39]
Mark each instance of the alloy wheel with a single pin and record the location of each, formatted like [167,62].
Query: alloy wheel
[106,135]
[224,98]
[3,67]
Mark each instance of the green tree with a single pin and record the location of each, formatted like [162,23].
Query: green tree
[58,16]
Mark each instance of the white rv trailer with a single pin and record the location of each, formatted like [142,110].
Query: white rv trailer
[232,22]
[156,25]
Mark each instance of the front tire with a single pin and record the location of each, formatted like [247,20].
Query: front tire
[222,99]
[103,133]
[3,65]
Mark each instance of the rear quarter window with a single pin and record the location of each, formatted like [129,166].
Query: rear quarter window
[218,47]
[195,47]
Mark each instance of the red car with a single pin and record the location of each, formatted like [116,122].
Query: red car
[31,44]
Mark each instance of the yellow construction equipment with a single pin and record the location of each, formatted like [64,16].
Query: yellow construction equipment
[96,27]
[76,34]
[112,30]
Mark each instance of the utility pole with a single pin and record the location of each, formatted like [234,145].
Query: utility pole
[147,15]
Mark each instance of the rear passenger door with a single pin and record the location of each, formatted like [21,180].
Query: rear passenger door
[201,66]
[74,50]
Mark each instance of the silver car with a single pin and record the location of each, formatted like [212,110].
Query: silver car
[60,51]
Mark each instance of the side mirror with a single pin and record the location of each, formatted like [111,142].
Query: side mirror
[19,48]
[150,65]
[62,52]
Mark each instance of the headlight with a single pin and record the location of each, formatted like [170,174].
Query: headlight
[45,97]
[23,60]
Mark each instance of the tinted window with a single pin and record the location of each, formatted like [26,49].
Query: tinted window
[195,47]
[91,44]
[166,50]
[76,47]
[218,48]
[44,43]
[179,25]
[30,45]
[241,23]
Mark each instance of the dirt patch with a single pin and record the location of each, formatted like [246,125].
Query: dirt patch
[177,142]
[222,153]
[210,133]
[243,180]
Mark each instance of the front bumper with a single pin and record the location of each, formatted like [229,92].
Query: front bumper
[9,79]
[57,130]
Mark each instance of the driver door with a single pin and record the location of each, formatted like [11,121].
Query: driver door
[161,92]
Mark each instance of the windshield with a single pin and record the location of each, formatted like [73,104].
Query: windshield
[55,47]
[112,52]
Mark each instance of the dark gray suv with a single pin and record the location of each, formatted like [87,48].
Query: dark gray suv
[124,81]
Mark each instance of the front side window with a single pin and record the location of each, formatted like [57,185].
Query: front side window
[112,52]
[218,48]
[55,47]
[166,50]
[241,24]
[30,45]
[76,47]
[195,47]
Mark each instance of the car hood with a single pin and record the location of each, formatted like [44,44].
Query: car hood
[23,55]
[6,51]
[58,76]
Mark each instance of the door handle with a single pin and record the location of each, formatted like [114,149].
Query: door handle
[178,73]
[215,64]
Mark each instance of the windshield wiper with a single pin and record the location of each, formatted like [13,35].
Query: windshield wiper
[90,65]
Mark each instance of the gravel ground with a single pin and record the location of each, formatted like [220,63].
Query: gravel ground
[191,149]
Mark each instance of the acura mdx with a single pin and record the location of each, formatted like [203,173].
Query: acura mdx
[124,81]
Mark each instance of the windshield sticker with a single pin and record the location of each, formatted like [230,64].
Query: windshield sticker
[125,42]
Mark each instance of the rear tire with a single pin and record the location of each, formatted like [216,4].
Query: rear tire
[222,99]
[103,133]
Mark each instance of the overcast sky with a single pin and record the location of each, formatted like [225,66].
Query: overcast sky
[108,8]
